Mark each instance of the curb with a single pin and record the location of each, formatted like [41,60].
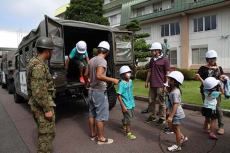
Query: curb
[185,106]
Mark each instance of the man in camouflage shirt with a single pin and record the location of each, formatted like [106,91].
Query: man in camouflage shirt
[40,92]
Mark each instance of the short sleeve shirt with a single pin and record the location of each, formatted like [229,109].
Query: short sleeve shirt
[159,70]
[209,101]
[125,89]
[94,63]
[74,54]
[175,98]
[205,72]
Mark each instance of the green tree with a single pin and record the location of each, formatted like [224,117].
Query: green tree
[141,48]
[87,11]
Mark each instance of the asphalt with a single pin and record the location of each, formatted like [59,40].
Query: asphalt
[18,131]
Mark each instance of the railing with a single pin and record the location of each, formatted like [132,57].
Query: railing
[179,6]
[112,5]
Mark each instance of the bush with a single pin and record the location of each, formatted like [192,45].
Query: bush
[188,74]
[141,74]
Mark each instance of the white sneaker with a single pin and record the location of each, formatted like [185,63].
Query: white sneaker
[183,140]
[106,141]
[174,148]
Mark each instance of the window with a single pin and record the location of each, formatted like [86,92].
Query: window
[140,11]
[198,55]
[157,7]
[204,23]
[173,57]
[170,29]
[115,19]
[210,22]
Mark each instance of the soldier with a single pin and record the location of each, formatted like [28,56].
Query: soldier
[40,92]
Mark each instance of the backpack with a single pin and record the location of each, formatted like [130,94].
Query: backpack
[227,88]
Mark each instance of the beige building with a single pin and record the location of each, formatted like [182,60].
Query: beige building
[191,26]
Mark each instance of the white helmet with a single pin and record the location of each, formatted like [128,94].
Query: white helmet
[81,47]
[105,45]
[210,83]
[177,75]
[124,69]
[211,54]
[156,46]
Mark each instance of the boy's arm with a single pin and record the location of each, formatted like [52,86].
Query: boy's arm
[123,108]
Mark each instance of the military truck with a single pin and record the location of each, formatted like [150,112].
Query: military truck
[7,70]
[65,34]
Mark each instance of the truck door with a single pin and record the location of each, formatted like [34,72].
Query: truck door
[54,30]
[123,50]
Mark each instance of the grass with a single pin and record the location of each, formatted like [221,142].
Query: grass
[190,93]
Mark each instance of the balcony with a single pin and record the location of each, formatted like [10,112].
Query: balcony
[177,7]
[112,5]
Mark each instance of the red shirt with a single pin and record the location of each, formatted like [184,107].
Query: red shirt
[159,69]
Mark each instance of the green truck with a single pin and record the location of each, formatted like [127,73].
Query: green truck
[65,34]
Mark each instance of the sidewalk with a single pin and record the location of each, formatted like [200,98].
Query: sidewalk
[10,140]
[186,106]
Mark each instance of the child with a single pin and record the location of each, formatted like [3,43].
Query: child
[126,99]
[80,56]
[211,92]
[176,113]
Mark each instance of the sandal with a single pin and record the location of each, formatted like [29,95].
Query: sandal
[106,141]
[131,136]
[213,136]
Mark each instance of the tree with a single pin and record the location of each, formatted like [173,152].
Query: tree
[141,48]
[87,11]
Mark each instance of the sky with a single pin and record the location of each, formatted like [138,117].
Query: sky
[24,15]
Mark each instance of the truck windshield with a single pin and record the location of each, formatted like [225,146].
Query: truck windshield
[123,47]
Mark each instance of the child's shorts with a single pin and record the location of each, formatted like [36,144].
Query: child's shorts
[209,113]
[176,121]
[128,117]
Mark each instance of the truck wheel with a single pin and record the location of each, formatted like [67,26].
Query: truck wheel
[10,87]
[112,96]
[18,98]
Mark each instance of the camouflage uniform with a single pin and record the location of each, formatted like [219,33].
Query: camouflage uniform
[40,92]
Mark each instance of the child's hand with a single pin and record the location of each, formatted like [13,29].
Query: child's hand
[124,109]
[169,120]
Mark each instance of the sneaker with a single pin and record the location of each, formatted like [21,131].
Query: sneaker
[93,138]
[220,131]
[106,141]
[151,119]
[167,130]
[160,122]
[82,80]
[213,136]
[183,140]
[174,148]
[131,136]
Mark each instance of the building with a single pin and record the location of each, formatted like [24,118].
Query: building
[191,26]
[60,12]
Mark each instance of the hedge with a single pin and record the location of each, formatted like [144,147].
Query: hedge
[188,74]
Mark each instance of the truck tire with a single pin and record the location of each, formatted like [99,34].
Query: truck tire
[10,87]
[112,96]
[18,99]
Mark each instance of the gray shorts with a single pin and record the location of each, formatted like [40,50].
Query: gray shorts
[98,105]
[128,117]
[81,64]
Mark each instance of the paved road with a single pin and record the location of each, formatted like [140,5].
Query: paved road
[19,134]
